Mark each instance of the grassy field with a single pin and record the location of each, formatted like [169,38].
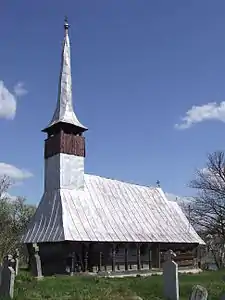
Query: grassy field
[86,288]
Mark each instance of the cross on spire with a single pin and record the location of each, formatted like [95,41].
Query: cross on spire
[66,24]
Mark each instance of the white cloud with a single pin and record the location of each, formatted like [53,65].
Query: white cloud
[9,197]
[212,176]
[205,171]
[8,100]
[206,112]
[13,172]
[19,89]
[7,103]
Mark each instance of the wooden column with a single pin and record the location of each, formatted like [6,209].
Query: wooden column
[105,257]
[85,248]
[149,257]
[159,256]
[72,264]
[90,255]
[105,267]
[86,261]
[138,257]
[113,257]
[199,256]
[156,256]
[100,262]
[126,257]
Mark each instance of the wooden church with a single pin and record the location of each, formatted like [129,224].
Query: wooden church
[96,223]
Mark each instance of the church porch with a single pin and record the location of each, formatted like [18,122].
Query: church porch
[111,258]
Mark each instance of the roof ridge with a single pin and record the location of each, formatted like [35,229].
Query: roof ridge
[123,181]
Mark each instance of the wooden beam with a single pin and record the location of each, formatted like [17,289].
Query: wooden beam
[149,257]
[90,257]
[100,262]
[138,257]
[159,256]
[113,257]
[126,257]
[72,264]
[156,255]
[199,256]
[85,248]
[86,261]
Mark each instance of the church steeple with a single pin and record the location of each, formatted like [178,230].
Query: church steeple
[65,144]
[64,115]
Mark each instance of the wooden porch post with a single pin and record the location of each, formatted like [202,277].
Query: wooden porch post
[86,261]
[199,256]
[126,257]
[113,257]
[149,256]
[105,258]
[72,264]
[159,256]
[156,255]
[90,257]
[105,267]
[85,247]
[100,262]
[138,257]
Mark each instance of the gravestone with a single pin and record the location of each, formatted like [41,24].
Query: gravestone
[16,258]
[1,268]
[199,293]
[195,263]
[7,278]
[36,263]
[8,261]
[170,277]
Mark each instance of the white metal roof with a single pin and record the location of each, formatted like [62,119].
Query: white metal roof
[109,210]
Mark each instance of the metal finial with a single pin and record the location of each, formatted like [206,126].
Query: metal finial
[66,24]
[158,183]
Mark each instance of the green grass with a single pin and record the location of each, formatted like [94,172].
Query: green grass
[90,288]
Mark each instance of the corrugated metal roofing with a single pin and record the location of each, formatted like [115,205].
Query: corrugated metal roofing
[109,210]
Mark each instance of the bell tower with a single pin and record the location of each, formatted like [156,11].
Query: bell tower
[64,151]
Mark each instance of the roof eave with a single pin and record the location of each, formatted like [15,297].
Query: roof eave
[80,126]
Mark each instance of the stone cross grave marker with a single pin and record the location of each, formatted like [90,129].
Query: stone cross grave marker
[199,293]
[7,278]
[170,277]
[16,258]
[1,268]
[37,269]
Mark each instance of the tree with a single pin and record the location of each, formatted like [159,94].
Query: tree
[15,215]
[207,210]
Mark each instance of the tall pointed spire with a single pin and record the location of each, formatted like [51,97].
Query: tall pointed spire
[64,112]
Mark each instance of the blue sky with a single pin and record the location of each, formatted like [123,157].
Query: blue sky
[138,67]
